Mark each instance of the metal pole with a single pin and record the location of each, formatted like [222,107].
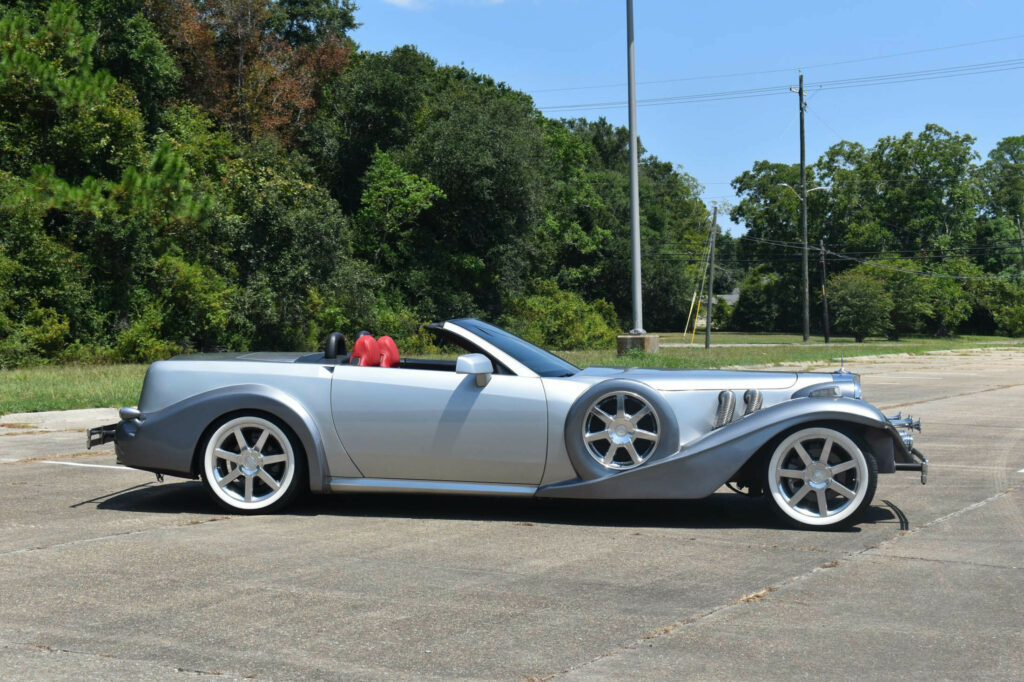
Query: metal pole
[803,215]
[824,295]
[711,280]
[634,173]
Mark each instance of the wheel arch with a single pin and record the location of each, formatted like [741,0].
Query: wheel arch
[263,400]
[874,439]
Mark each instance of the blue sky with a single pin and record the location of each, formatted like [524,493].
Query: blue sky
[568,52]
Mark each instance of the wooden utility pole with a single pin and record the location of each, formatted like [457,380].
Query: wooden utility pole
[824,295]
[711,279]
[1020,237]
[803,212]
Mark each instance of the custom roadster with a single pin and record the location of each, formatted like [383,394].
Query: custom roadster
[507,418]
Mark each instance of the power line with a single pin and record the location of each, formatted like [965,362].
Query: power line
[837,84]
[788,70]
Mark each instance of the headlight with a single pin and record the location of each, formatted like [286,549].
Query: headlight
[848,383]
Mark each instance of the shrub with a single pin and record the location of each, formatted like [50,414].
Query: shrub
[860,304]
[141,341]
[553,318]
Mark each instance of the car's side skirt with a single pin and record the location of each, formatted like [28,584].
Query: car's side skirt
[397,485]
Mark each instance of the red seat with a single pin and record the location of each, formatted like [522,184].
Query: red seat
[388,352]
[365,352]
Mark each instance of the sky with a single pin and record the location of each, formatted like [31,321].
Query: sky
[573,52]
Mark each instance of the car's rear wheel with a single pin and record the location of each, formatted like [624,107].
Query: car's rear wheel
[252,464]
[819,477]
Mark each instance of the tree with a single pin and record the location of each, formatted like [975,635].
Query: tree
[860,304]
[392,200]
[257,65]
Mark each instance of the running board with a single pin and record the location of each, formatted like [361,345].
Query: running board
[398,485]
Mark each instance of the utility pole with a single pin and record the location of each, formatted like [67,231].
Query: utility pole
[824,295]
[711,279]
[1020,237]
[634,186]
[803,211]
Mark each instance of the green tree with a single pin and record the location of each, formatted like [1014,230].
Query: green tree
[860,304]
[392,200]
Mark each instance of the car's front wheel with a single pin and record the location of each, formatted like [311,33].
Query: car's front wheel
[819,477]
[252,464]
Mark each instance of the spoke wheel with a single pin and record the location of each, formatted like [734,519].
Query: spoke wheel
[621,430]
[249,464]
[820,477]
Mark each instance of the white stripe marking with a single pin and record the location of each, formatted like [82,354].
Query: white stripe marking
[1021,471]
[82,464]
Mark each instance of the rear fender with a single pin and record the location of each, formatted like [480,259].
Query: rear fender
[172,437]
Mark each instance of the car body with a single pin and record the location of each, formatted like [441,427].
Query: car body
[507,418]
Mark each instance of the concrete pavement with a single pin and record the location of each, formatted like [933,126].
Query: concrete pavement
[104,573]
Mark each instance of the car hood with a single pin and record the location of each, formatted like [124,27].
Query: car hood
[705,379]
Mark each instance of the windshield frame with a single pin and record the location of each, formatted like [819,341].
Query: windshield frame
[541,362]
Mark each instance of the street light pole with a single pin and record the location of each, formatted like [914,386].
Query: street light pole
[634,173]
[803,214]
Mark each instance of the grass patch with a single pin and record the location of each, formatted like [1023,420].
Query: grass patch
[68,387]
[697,357]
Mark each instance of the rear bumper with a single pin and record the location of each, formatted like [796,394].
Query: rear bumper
[153,442]
[99,435]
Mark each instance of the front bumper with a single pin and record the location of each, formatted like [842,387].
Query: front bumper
[920,465]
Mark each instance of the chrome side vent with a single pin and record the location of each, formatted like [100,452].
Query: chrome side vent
[752,401]
[726,408]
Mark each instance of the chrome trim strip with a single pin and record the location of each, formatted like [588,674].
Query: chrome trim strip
[504,358]
[397,485]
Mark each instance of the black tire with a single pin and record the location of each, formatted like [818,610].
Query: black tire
[240,476]
[795,486]
[587,459]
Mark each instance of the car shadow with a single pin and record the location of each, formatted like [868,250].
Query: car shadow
[720,510]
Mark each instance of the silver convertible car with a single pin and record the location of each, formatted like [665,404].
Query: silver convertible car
[507,418]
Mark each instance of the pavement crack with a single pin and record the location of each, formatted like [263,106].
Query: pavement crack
[766,592]
[903,557]
[109,656]
[111,536]
[948,397]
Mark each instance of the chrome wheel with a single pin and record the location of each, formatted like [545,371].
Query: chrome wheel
[621,430]
[249,463]
[819,477]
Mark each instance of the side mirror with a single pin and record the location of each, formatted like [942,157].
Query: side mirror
[478,365]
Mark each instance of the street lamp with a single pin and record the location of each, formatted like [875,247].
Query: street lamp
[803,222]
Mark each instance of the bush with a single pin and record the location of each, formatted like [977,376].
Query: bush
[562,320]
[860,304]
[141,341]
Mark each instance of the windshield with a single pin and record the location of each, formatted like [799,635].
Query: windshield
[537,359]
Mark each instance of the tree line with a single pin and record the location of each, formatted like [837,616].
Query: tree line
[232,174]
[180,175]
[921,235]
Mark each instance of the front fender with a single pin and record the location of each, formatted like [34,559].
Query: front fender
[703,465]
[165,440]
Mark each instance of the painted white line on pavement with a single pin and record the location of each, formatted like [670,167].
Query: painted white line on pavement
[82,464]
[1021,471]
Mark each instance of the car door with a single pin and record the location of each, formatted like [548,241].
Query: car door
[438,425]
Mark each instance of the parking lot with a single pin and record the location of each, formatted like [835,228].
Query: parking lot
[106,573]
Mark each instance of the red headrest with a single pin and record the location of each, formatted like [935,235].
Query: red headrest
[365,352]
[388,352]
